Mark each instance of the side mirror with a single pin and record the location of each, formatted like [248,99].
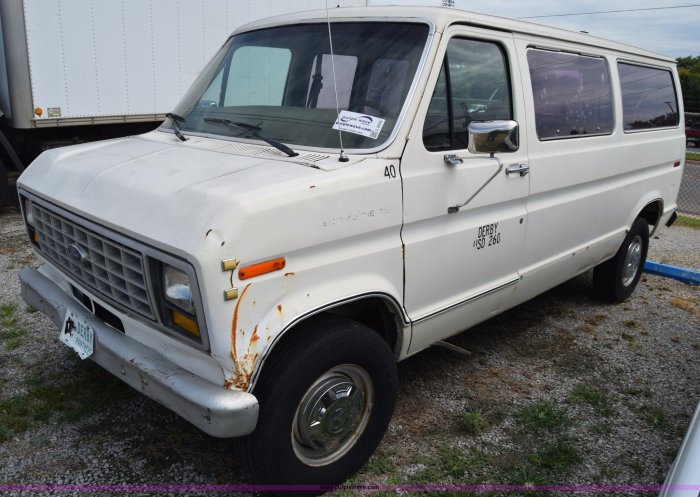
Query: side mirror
[488,137]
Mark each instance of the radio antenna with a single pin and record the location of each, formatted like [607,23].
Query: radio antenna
[343,157]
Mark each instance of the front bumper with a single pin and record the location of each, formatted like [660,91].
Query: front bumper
[211,408]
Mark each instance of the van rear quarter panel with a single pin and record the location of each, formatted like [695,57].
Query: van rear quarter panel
[586,191]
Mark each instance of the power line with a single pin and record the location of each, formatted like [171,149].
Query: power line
[612,11]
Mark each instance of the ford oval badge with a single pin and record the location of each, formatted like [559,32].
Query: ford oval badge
[76,254]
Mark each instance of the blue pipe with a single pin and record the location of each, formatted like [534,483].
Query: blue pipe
[688,276]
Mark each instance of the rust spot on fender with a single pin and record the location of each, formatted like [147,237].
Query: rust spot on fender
[243,366]
[279,309]
[234,324]
[291,275]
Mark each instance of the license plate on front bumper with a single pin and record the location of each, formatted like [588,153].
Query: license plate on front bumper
[77,334]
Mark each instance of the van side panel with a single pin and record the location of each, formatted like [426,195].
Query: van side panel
[585,191]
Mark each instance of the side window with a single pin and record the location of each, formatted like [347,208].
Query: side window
[572,94]
[321,94]
[473,86]
[648,97]
[259,75]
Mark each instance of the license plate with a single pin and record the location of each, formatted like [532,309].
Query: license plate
[78,334]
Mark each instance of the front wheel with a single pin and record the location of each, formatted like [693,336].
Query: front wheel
[615,279]
[326,398]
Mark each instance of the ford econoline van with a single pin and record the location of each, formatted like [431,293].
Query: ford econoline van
[338,191]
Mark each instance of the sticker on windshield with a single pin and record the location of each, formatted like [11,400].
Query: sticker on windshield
[360,124]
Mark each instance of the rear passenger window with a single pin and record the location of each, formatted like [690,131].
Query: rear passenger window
[648,97]
[572,94]
[473,86]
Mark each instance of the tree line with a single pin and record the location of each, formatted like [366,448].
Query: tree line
[689,73]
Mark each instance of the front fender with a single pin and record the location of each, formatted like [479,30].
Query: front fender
[270,306]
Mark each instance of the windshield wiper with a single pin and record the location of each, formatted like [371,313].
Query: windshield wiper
[252,130]
[176,120]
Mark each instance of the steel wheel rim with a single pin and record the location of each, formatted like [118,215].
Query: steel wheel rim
[633,260]
[332,415]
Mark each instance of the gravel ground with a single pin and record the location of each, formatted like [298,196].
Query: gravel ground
[613,388]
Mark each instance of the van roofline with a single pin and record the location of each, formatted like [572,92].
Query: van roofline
[444,17]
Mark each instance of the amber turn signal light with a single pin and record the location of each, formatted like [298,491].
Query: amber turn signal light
[185,323]
[262,268]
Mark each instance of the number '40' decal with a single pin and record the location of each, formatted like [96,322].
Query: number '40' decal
[390,172]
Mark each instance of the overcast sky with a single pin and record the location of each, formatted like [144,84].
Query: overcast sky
[671,31]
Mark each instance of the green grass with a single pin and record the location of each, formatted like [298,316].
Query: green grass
[454,462]
[70,394]
[692,156]
[655,416]
[380,465]
[560,456]
[687,221]
[542,416]
[597,399]
[451,464]
[527,476]
[601,429]
[473,422]
[11,332]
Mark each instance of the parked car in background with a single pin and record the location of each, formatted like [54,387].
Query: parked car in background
[692,128]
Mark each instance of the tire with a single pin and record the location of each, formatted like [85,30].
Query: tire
[615,279]
[295,444]
[3,184]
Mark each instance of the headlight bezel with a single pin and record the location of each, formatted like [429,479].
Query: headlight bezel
[166,307]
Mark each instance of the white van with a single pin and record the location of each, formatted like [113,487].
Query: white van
[308,216]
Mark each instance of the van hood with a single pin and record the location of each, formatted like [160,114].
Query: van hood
[161,189]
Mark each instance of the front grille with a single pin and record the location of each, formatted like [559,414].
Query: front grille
[114,271]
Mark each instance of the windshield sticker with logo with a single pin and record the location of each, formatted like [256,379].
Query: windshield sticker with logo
[360,124]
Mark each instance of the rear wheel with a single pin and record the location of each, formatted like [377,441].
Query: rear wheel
[326,398]
[615,279]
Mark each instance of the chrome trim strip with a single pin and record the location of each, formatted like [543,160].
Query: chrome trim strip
[467,301]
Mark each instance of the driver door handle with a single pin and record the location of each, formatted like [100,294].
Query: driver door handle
[521,169]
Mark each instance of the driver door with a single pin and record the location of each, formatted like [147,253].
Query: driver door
[462,266]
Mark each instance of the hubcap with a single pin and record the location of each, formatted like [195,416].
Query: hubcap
[632,261]
[332,415]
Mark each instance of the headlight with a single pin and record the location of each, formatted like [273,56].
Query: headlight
[178,290]
[31,221]
[29,212]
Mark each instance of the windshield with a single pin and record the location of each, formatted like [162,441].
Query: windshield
[279,82]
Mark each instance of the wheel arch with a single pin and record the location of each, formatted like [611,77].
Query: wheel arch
[378,311]
[652,213]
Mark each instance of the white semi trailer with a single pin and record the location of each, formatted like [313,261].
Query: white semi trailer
[81,70]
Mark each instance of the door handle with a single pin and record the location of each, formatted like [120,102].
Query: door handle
[521,169]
